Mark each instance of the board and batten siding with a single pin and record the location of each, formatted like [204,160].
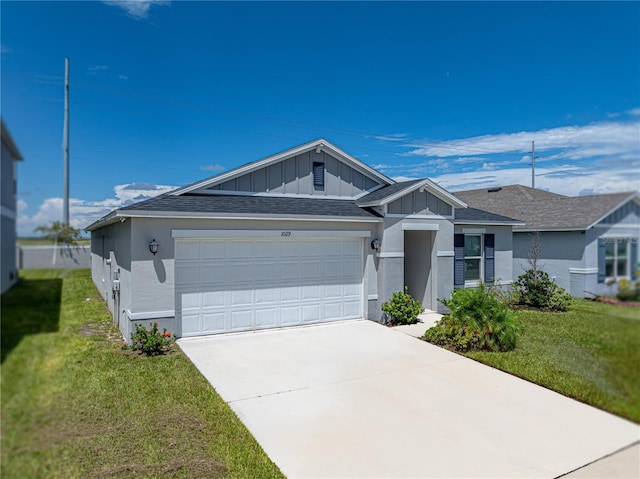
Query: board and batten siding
[420,203]
[295,176]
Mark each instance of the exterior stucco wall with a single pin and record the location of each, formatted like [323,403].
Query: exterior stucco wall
[560,252]
[150,281]
[504,244]
[439,244]
[111,262]
[8,271]
[294,176]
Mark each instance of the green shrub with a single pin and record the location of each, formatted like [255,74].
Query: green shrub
[629,294]
[478,320]
[151,341]
[624,285]
[402,308]
[536,290]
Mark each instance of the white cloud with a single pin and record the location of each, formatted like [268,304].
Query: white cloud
[391,137]
[215,167]
[136,8]
[567,180]
[634,112]
[605,138]
[81,212]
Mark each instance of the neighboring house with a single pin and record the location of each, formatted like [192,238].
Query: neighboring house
[586,243]
[10,156]
[308,235]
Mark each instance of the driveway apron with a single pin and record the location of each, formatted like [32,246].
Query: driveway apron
[355,399]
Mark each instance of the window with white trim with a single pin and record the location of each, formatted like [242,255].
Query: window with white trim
[474,259]
[617,258]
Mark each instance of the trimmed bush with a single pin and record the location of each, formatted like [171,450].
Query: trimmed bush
[151,341]
[402,308]
[478,320]
[535,289]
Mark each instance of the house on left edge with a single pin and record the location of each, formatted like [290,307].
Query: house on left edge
[308,235]
[9,187]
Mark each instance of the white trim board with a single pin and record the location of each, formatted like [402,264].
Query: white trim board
[420,227]
[583,270]
[284,234]
[150,315]
[390,254]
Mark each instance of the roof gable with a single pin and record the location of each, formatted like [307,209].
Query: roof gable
[398,190]
[290,173]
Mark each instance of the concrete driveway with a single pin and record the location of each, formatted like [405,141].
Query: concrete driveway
[357,399]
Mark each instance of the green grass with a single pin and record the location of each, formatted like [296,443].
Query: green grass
[75,405]
[590,353]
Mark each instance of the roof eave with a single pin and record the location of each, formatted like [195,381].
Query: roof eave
[10,143]
[421,185]
[631,197]
[252,216]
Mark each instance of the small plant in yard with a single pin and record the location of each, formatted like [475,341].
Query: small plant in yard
[535,289]
[151,341]
[478,320]
[402,308]
[628,291]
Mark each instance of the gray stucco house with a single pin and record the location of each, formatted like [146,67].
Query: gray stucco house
[308,235]
[10,156]
[587,243]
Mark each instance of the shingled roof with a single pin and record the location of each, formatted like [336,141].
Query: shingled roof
[213,205]
[543,210]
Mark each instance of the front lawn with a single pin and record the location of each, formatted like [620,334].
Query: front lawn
[590,353]
[75,405]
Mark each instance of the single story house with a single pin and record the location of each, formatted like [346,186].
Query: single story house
[307,235]
[9,156]
[586,243]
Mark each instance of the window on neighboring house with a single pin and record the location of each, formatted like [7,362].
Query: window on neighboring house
[318,174]
[474,259]
[616,258]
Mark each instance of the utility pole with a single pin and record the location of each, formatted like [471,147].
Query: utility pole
[65,145]
[533,164]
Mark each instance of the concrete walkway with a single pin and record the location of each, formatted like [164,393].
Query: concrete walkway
[356,399]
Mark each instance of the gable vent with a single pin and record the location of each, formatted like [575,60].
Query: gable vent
[318,174]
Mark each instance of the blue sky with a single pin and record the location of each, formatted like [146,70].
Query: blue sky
[166,93]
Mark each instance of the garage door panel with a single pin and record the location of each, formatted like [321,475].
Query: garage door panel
[311,313]
[290,271]
[213,250]
[188,274]
[231,284]
[191,324]
[351,309]
[290,315]
[310,292]
[212,299]
[188,250]
[265,295]
[241,319]
[266,318]
[332,310]
[213,322]
[290,293]
[241,297]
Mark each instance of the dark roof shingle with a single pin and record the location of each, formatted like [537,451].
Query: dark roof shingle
[542,209]
[273,205]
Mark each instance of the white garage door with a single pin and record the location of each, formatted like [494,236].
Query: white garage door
[240,284]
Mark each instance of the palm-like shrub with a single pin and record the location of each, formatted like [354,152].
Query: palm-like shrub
[478,320]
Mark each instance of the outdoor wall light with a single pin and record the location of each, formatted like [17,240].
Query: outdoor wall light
[153,246]
[375,244]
